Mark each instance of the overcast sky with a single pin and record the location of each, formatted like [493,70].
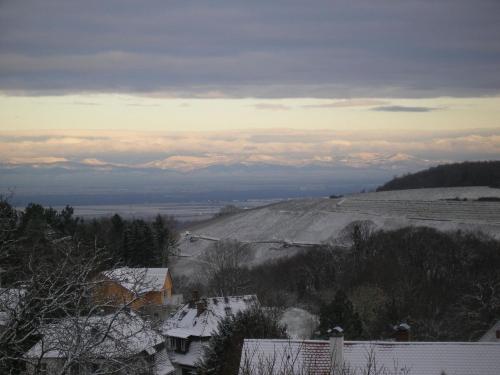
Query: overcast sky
[186,84]
[252,48]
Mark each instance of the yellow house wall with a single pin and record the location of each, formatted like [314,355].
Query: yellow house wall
[112,292]
[168,285]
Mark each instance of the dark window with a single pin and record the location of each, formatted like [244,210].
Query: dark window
[178,344]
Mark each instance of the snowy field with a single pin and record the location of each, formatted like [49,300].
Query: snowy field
[184,211]
[323,220]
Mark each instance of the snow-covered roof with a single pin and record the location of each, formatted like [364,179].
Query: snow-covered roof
[491,334]
[162,364]
[413,358]
[186,322]
[139,280]
[125,334]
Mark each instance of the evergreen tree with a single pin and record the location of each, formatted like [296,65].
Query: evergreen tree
[33,226]
[115,241]
[164,237]
[138,246]
[222,357]
[340,312]
[65,221]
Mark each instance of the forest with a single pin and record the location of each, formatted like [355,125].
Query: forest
[31,234]
[480,173]
[445,285]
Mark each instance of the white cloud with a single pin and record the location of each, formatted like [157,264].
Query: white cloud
[189,151]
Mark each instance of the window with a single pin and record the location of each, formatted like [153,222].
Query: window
[183,345]
[171,343]
[178,344]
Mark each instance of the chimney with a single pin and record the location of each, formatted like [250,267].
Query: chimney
[402,332]
[201,306]
[195,296]
[336,349]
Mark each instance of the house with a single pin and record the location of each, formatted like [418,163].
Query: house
[120,343]
[321,357]
[493,334]
[190,328]
[147,290]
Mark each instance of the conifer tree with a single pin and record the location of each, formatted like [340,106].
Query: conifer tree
[222,357]
[340,312]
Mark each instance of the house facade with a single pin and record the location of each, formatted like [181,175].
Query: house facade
[148,290]
[188,331]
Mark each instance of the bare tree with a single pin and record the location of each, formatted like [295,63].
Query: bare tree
[55,315]
[293,359]
[223,267]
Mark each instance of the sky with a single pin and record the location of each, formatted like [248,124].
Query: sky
[339,88]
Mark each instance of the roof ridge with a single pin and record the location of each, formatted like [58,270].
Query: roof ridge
[380,342]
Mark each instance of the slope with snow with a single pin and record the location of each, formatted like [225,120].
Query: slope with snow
[278,229]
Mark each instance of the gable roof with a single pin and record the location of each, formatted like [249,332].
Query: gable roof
[139,280]
[414,358]
[125,334]
[162,364]
[187,323]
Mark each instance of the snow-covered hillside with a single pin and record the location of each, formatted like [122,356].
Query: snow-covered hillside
[289,225]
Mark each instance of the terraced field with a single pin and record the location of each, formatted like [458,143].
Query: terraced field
[456,211]
[284,228]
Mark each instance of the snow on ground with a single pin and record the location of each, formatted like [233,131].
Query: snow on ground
[322,220]
[300,324]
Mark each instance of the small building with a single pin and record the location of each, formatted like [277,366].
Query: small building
[120,343]
[148,290]
[190,328]
[321,357]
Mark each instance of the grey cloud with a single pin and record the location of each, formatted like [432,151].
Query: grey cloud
[45,138]
[282,48]
[348,103]
[271,107]
[86,103]
[400,108]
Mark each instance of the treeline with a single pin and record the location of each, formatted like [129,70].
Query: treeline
[481,173]
[446,286]
[31,235]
